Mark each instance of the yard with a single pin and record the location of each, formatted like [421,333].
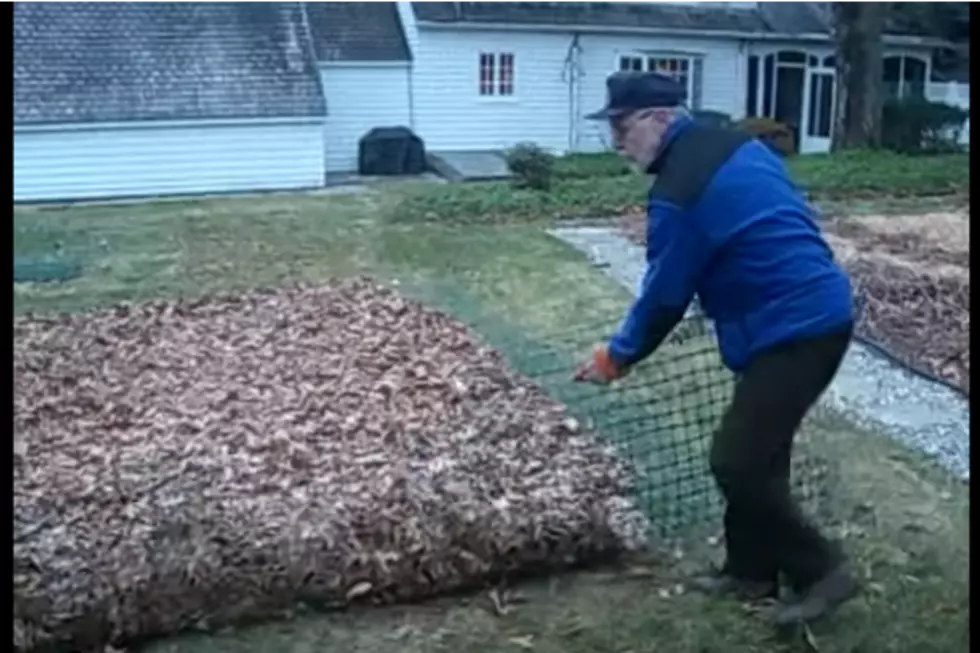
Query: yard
[908,258]
[540,304]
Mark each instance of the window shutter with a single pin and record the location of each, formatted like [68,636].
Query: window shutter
[697,85]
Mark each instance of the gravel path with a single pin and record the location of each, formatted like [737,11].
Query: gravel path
[869,388]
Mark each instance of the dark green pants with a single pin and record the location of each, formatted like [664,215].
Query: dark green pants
[765,532]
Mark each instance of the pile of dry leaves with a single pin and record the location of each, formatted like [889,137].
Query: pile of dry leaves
[912,284]
[922,319]
[192,463]
[913,274]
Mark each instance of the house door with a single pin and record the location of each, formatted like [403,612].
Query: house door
[789,104]
[819,95]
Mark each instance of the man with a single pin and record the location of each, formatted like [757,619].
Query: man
[724,221]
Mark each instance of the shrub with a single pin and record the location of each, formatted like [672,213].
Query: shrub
[592,165]
[532,166]
[713,118]
[493,202]
[774,134]
[918,126]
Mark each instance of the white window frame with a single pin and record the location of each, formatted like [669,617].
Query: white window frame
[903,57]
[496,75]
[647,60]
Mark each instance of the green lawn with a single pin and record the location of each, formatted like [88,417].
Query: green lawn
[543,305]
[140,251]
[859,174]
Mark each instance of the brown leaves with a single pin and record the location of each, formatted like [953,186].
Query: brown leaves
[923,320]
[219,459]
[913,273]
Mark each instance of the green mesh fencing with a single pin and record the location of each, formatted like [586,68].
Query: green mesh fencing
[660,418]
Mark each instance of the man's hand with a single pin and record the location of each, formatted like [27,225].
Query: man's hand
[600,369]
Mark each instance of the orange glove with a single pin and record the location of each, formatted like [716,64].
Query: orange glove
[601,369]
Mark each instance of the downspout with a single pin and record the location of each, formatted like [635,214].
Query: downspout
[410,32]
[571,73]
[411,96]
[741,69]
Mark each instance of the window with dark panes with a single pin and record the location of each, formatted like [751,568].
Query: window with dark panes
[631,64]
[487,69]
[914,78]
[505,82]
[497,73]
[904,76]
[768,75]
[752,95]
[789,56]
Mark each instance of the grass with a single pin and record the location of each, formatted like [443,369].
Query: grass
[595,186]
[905,523]
[135,252]
[497,202]
[590,166]
[863,173]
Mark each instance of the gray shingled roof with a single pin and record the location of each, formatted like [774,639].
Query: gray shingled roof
[817,18]
[85,62]
[765,17]
[598,14]
[904,18]
[796,17]
[357,31]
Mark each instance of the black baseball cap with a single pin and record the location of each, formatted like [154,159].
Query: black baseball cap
[631,91]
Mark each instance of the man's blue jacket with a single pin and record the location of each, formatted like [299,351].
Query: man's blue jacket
[725,221]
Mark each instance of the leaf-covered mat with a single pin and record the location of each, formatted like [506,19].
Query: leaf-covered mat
[188,464]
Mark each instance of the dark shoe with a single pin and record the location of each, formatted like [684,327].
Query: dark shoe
[722,584]
[820,599]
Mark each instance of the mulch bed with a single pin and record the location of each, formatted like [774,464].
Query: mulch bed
[914,297]
[192,463]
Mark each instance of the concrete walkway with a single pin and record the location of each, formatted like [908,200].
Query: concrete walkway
[469,166]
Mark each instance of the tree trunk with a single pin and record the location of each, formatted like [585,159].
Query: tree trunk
[858,27]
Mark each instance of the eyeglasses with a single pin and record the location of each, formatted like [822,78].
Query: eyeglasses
[621,125]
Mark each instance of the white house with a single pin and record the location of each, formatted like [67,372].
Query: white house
[549,61]
[134,99]
[167,98]
[366,72]
[137,99]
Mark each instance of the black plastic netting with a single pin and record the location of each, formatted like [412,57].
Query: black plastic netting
[660,418]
